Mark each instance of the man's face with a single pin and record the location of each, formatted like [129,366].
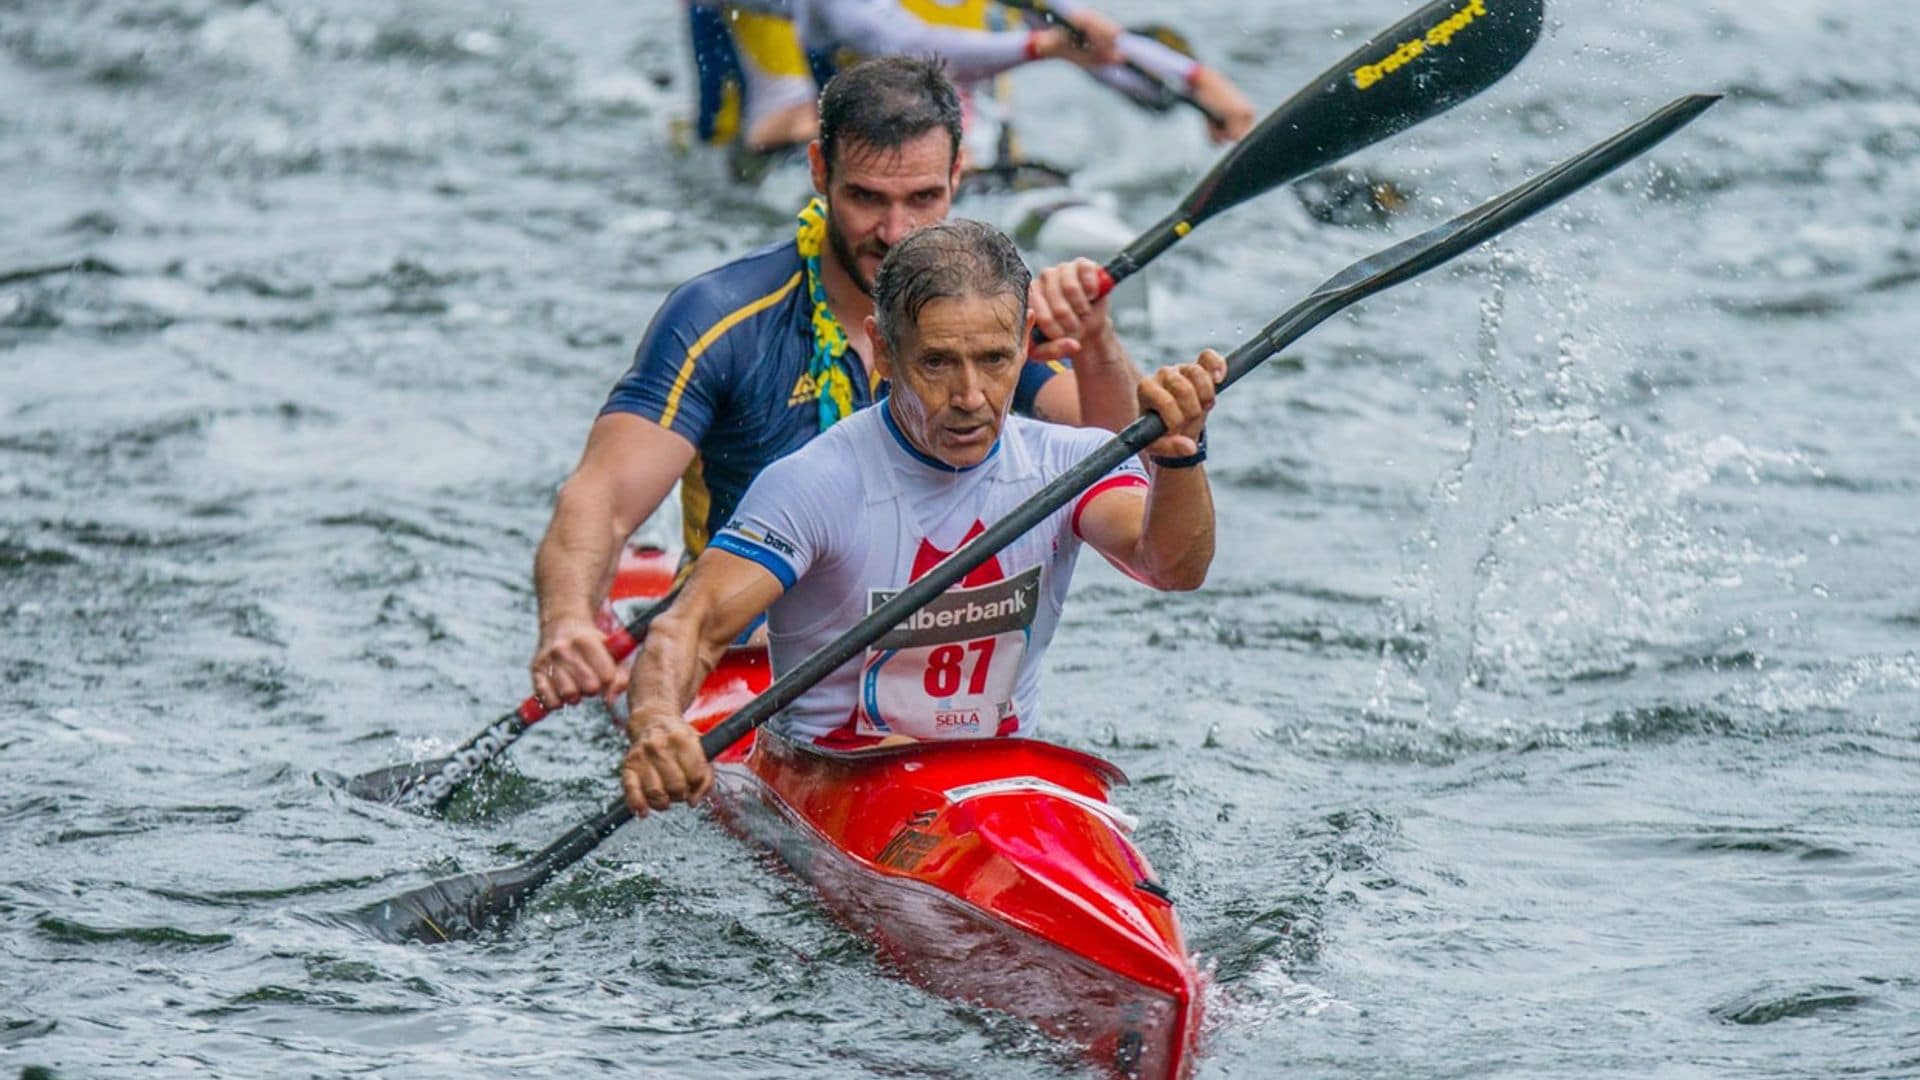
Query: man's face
[875,197]
[954,374]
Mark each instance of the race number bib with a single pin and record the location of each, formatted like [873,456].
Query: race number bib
[949,671]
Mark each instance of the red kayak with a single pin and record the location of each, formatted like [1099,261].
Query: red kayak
[993,872]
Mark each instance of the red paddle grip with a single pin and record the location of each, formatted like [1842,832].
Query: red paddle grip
[1106,286]
[620,644]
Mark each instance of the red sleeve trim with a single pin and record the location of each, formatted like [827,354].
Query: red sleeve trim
[1111,483]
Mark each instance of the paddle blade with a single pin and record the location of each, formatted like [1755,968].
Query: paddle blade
[394,784]
[1423,65]
[451,909]
[456,908]
[425,786]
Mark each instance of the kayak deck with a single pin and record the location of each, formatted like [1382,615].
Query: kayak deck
[992,872]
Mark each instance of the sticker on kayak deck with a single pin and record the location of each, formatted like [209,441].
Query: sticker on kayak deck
[1125,821]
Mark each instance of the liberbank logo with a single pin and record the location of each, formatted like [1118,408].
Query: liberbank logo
[965,614]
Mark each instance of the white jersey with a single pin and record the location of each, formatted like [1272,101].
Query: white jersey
[857,514]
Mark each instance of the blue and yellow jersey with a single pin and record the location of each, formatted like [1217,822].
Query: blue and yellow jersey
[724,365]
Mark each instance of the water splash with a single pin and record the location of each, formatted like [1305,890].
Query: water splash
[1564,545]
[1516,463]
[1882,684]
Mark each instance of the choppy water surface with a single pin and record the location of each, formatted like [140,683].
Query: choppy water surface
[1550,711]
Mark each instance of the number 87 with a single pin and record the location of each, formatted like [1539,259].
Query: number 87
[943,668]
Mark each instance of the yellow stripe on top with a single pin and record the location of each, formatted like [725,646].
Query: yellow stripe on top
[714,334]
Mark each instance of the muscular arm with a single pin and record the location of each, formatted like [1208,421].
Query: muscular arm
[721,597]
[627,468]
[1165,538]
[1154,61]
[1163,62]
[1100,390]
[1171,68]
[1096,392]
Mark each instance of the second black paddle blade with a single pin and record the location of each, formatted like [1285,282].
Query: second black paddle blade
[461,906]
[1421,66]
[393,784]
[450,909]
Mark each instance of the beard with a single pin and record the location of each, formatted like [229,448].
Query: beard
[844,252]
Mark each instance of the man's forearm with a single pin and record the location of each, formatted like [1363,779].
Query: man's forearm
[1107,381]
[576,557]
[1162,62]
[1176,542]
[885,30]
[671,668]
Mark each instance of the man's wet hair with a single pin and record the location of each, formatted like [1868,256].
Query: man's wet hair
[886,103]
[953,259]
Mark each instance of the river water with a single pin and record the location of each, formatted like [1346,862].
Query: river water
[1550,711]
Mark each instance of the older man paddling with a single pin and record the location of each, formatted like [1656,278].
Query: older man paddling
[835,528]
[749,361]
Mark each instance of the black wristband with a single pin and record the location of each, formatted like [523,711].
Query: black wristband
[1187,462]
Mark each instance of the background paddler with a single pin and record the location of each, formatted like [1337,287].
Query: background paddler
[756,62]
